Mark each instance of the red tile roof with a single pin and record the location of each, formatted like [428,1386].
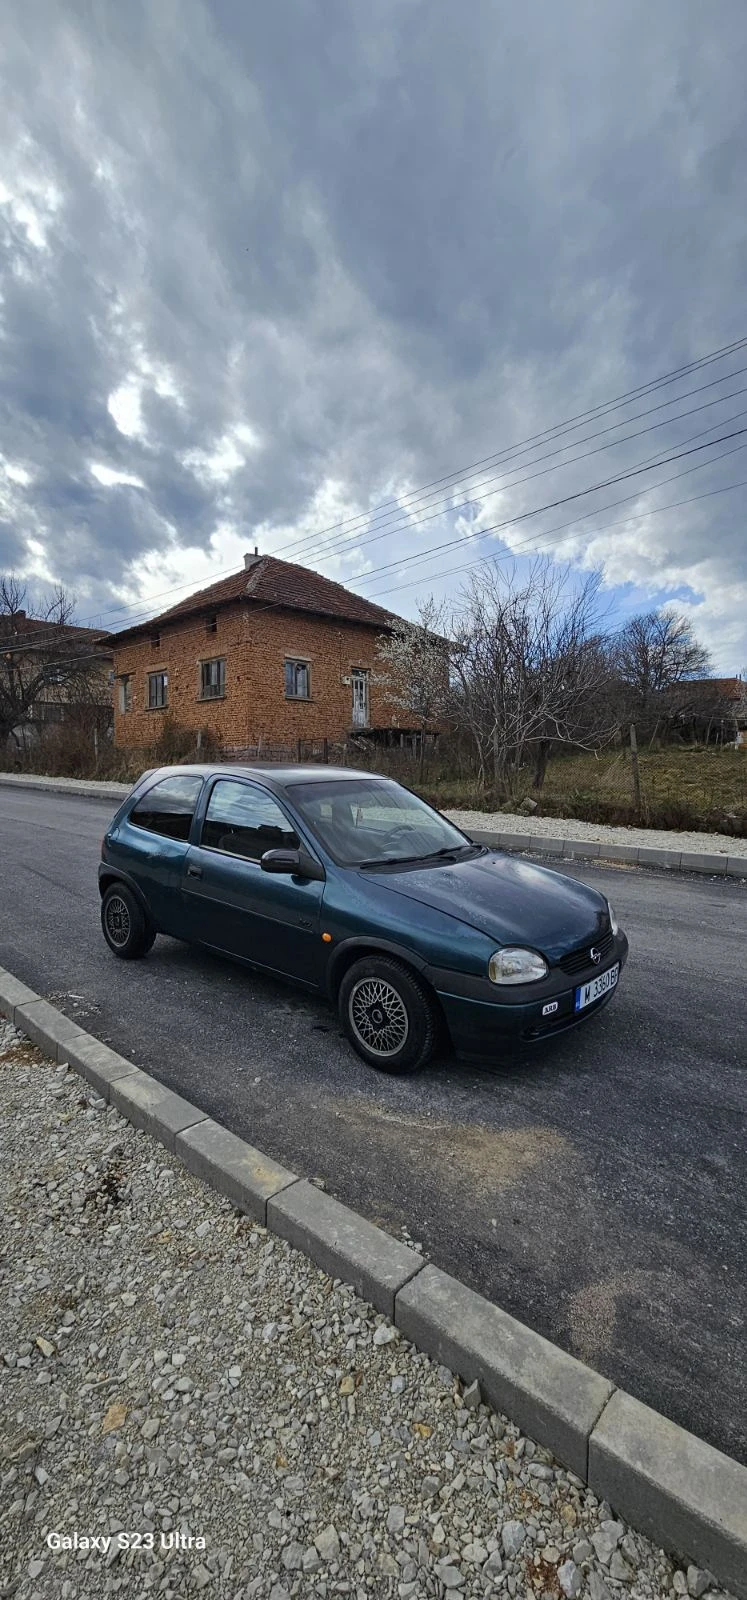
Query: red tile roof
[728,688]
[279,584]
[18,626]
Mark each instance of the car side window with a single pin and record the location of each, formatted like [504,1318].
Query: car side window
[168,808]
[244,821]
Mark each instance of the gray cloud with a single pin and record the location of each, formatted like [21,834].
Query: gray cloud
[306,253]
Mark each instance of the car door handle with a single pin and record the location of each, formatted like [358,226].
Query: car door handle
[194,872]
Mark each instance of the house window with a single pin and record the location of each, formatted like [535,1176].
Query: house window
[212,679]
[125,692]
[155,641]
[211,625]
[158,690]
[48,711]
[297,680]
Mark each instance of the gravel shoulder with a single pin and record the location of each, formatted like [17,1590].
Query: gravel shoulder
[171,1370]
[569,828]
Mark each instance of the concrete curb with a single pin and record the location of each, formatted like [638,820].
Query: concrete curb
[246,1176]
[45,1026]
[552,1397]
[147,1105]
[636,855]
[86,789]
[535,843]
[680,1491]
[344,1244]
[672,1487]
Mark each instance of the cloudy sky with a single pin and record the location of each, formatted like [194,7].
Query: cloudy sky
[267,268]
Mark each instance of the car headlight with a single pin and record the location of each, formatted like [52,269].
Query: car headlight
[614,924]
[514,965]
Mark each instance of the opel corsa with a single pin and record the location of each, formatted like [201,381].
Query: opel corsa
[354,888]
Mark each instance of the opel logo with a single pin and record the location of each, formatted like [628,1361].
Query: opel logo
[595,955]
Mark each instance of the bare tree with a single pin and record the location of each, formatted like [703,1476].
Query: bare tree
[657,656]
[414,669]
[532,669]
[44,658]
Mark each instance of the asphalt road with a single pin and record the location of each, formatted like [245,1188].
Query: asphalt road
[595,1189]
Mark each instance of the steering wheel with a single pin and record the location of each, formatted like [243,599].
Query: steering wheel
[399,832]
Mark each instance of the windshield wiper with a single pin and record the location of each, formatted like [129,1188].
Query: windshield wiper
[447,853]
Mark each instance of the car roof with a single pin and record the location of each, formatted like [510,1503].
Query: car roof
[274,777]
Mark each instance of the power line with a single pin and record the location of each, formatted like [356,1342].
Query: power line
[620,522]
[557,429]
[551,505]
[496,527]
[570,423]
[409,526]
[382,532]
[449,544]
[407,503]
[508,555]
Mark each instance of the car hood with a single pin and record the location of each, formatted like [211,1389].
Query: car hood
[511,900]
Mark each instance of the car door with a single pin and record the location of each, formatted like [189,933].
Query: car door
[270,919]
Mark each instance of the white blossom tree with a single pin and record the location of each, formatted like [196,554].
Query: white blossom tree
[414,671]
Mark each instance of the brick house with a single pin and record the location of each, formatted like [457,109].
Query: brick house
[273,654]
[52,672]
[712,710]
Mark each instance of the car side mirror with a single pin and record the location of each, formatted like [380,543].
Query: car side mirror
[293,863]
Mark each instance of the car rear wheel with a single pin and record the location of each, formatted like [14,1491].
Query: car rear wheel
[127,930]
[388,1014]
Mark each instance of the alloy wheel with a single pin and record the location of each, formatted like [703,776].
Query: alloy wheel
[378,1016]
[117,918]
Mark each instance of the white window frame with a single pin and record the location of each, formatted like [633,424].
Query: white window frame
[361,675]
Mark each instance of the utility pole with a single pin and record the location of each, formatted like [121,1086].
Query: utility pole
[636,772]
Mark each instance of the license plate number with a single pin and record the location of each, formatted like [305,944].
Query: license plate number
[603,983]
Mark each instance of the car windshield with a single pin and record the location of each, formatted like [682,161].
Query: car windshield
[373,822]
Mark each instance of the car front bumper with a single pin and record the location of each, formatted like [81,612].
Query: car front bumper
[480,1024]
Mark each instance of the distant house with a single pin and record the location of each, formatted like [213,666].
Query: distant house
[273,655]
[52,672]
[713,710]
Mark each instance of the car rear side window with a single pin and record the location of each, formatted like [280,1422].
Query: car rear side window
[168,808]
[244,821]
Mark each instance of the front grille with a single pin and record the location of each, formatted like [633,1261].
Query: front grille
[579,960]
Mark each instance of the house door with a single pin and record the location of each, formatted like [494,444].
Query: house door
[359,680]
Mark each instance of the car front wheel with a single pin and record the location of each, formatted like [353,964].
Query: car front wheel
[387,1014]
[126,928]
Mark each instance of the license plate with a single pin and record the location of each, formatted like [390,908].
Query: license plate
[596,987]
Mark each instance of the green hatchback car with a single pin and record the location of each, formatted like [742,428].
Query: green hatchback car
[351,886]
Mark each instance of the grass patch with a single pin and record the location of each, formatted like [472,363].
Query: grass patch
[699,789]
[696,788]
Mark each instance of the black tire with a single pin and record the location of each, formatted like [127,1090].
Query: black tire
[380,987]
[127,930]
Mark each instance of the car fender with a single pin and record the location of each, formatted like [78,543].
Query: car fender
[340,958]
[109,874]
